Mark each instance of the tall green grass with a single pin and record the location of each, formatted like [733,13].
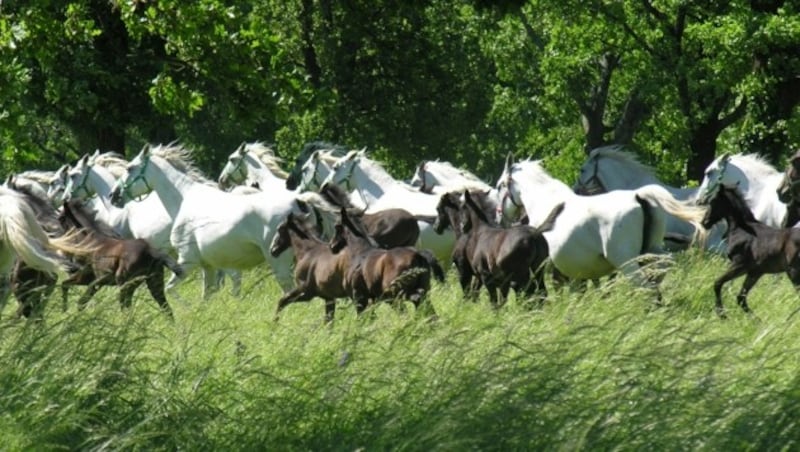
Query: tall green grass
[600,369]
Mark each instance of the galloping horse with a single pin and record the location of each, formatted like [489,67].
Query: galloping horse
[212,229]
[612,168]
[595,235]
[788,192]
[294,180]
[754,248]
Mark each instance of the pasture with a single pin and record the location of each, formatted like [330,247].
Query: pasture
[600,369]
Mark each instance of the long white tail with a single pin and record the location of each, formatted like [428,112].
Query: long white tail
[20,232]
[683,210]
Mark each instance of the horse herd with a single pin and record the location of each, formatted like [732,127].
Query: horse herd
[338,225]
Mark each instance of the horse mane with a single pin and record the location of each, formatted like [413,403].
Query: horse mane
[753,161]
[42,177]
[337,150]
[736,198]
[114,162]
[266,155]
[447,166]
[617,152]
[336,195]
[181,159]
[87,220]
[472,205]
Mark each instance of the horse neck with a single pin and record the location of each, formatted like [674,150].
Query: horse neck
[170,185]
[542,195]
[373,184]
[627,177]
[258,172]
[302,245]
[101,180]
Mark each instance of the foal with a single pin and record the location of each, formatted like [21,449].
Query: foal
[504,258]
[789,191]
[116,262]
[379,274]
[754,248]
[318,272]
[389,227]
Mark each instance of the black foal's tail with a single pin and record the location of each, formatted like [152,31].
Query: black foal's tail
[167,261]
[433,263]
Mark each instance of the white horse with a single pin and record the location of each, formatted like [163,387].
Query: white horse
[433,176]
[379,191]
[758,182]
[253,163]
[41,183]
[212,229]
[594,235]
[611,168]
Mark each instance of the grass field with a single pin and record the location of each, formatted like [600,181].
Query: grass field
[601,369]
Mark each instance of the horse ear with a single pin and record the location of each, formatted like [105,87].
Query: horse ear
[96,154]
[509,162]
[303,206]
[725,157]
[243,148]
[145,151]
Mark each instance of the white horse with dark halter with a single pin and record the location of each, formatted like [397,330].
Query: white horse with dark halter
[253,163]
[434,176]
[212,229]
[611,168]
[378,190]
[758,182]
[594,235]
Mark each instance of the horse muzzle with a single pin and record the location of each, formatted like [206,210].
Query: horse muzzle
[116,197]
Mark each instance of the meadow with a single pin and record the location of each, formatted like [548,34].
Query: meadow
[603,369]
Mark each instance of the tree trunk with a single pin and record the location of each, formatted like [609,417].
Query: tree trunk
[703,145]
[309,53]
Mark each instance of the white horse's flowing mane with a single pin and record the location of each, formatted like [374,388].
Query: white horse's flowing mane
[113,162]
[181,159]
[447,166]
[266,155]
[42,177]
[376,171]
[753,162]
[618,153]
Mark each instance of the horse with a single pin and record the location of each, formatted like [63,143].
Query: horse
[318,272]
[253,163]
[757,180]
[434,176]
[212,229]
[788,192]
[315,170]
[754,248]
[377,274]
[595,235]
[294,180]
[39,183]
[390,228]
[381,191]
[612,168]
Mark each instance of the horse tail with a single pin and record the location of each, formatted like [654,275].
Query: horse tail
[405,280]
[550,222]
[166,260]
[647,226]
[433,264]
[683,210]
[20,231]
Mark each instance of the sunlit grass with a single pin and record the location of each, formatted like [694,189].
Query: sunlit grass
[605,368]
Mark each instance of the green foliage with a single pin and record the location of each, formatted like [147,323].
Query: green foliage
[602,369]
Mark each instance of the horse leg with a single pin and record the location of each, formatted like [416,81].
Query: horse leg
[126,291]
[330,310]
[732,273]
[749,281]
[91,289]
[155,284]
[5,291]
[299,293]
[209,282]
[64,297]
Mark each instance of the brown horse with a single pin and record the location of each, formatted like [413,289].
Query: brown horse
[448,215]
[754,248]
[505,258]
[318,272]
[377,274]
[124,263]
[389,228]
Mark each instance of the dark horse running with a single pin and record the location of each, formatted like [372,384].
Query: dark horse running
[116,262]
[754,248]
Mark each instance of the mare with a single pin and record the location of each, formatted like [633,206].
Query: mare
[434,176]
[377,274]
[253,163]
[596,235]
[754,248]
[757,180]
[389,228]
[789,191]
[294,180]
[612,168]
[124,263]
[39,183]
[318,272]
[381,191]
[212,229]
